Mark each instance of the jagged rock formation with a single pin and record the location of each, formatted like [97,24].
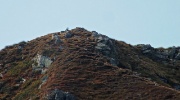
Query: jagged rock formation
[106,46]
[79,64]
[41,63]
[56,38]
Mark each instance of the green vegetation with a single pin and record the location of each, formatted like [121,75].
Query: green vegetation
[30,91]
[18,67]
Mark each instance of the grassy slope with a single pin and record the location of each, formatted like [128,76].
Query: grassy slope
[84,72]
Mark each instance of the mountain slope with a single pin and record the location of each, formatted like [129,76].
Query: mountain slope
[83,65]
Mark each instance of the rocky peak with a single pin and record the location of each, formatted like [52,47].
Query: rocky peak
[86,65]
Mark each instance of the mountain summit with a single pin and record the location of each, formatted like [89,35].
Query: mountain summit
[79,64]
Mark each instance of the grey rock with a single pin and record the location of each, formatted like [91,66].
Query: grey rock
[102,46]
[103,39]
[44,79]
[106,46]
[41,63]
[60,95]
[146,51]
[68,35]
[94,33]
[44,70]
[56,37]
[146,47]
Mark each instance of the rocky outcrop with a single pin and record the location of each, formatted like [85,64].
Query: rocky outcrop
[56,38]
[160,53]
[106,46]
[41,63]
[60,95]
[68,34]
[94,33]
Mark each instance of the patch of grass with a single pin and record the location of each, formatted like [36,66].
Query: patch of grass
[19,67]
[30,91]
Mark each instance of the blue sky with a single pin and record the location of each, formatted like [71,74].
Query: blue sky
[155,22]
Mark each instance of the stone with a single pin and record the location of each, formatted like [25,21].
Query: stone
[60,95]
[68,35]
[44,79]
[17,85]
[43,71]
[67,29]
[94,33]
[103,39]
[23,80]
[56,37]
[41,63]
[146,51]
[107,47]
[146,47]
[102,46]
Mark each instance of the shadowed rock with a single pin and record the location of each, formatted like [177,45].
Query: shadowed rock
[60,95]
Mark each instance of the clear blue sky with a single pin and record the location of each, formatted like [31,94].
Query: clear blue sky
[155,22]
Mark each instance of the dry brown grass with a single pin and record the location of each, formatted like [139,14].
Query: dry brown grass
[86,73]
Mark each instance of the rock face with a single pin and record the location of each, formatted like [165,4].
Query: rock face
[41,62]
[164,54]
[68,34]
[106,46]
[94,33]
[56,37]
[60,95]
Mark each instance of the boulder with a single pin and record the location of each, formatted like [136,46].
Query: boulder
[60,95]
[41,62]
[56,37]
[146,51]
[146,47]
[94,33]
[107,47]
[68,35]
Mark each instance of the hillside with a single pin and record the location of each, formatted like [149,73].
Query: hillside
[79,64]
